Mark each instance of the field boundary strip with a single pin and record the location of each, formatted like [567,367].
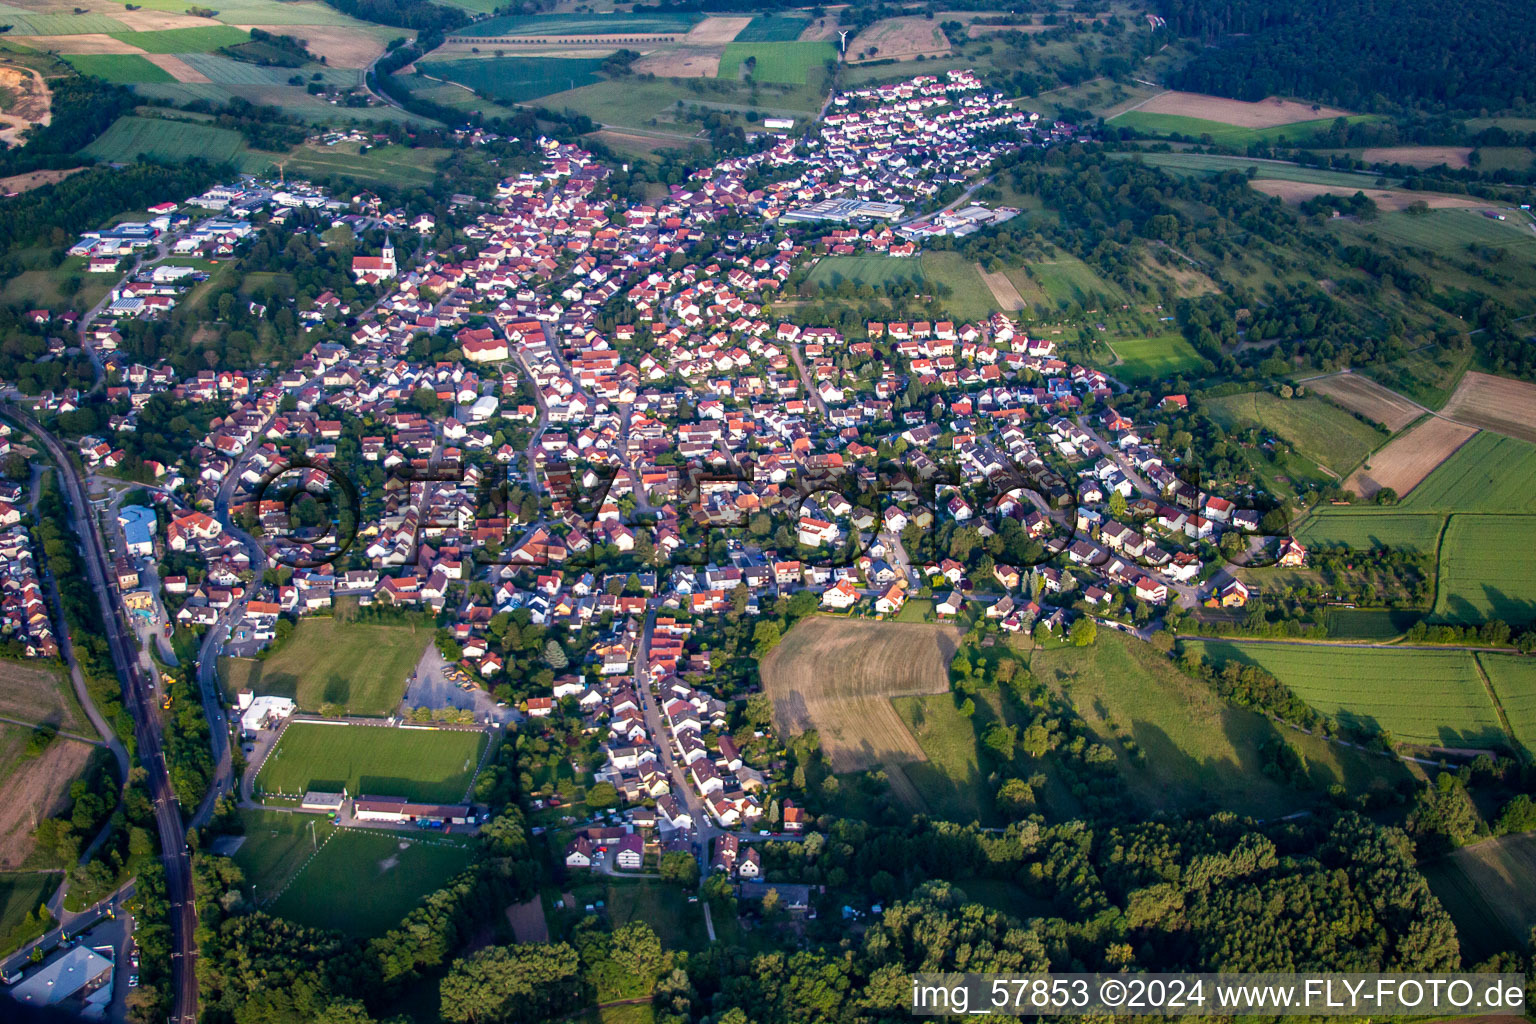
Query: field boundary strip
[1493,696]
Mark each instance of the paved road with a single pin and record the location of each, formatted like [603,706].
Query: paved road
[14,964]
[173,841]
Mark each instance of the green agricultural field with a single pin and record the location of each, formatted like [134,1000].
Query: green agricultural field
[26,22]
[678,923]
[1514,683]
[1366,528]
[766,28]
[1370,623]
[786,63]
[1448,231]
[1317,429]
[1486,889]
[657,23]
[1215,163]
[1490,473]
[22,893]
[652,106]
[1487,569]
[165,140]
[122,68]
[1064,280]
[1224,134]
[1160,358]
[359,665]
[267,12]
[391,165]
[362,883]
[226,71]
[1434,698]
[968,299]
[426,765]
[517,79]
[1195,749]
[185,40]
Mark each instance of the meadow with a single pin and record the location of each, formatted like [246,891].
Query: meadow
[1215,163]
[837,675]
[393,165]
[360,666]
[1195,750]
[949,782]
[362,883]
[1514,684]
[1064,280]
[121,68]
[517,79]
[1160,358]
[1487,569]
[1446,232]
[1317,429]
[1486,889]
[1224,134]
[1366,529]
[969,297]
[424,765]
[657,23]
[1434,698]
[185,40]
[164,140]
[37,694]
[25,22]
[786,63]
[766,28]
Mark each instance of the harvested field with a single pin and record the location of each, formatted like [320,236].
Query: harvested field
[1388,199]
[1364,396]
[1270,113]
[898,39]
[1003,290]
[89,42]
[341,47]
[715,30]
[1499,404]
[144,20]
[837,676]
[1487,890]
[1407,460]
[691,63]
[527,921]
[176,67]
[820,29]
[1418,156]
[35,179]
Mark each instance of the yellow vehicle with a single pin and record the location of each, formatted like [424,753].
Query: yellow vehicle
[165,701]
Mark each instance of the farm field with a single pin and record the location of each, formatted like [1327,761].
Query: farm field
[969,297]
[362,883]
[516,79]
[1407,459]
[1514,683]
[1066,279]
[651,106]
[656,23]
[1417,156]
[41,696]
[424,765]
[1499,404]
[1487,569]
[899,39]
[1364,396]
[837,676]
[1434,698]
[1368,528]
[1198,749]
[1370,623]
[122,68]
[1268,113]
[395,165]
[21,893]
[26,22]
[35,787]
[1487,474]
[1487,891]
[1323,433]
[785,63]
[164,139]
[766,28]
[360,665]
[1215,163]
[1390,200]
[1446,231]
[1162,357]
[1236,136]
[185,40]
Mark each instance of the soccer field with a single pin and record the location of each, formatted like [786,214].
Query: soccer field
[430,765]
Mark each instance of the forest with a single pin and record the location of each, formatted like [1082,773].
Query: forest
[1432,55]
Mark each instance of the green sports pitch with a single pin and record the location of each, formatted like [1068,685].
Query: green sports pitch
[429,765]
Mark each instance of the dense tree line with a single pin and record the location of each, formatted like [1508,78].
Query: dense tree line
[1434,54]
[82,109]
[423,17]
